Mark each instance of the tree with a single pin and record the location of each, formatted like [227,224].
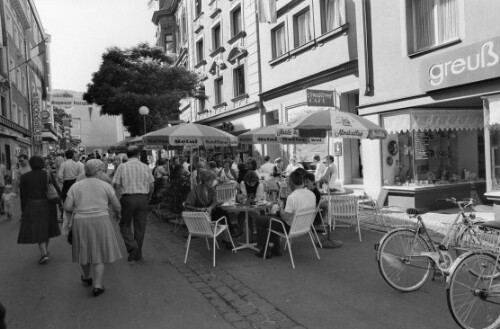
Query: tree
[143,75]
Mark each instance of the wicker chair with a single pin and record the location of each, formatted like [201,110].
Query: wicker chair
[225,192]
[301,225]
[199,224]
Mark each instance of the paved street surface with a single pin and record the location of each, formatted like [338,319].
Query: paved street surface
[342,290]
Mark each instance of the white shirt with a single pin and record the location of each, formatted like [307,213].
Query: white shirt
[260,194]
[69,170]
[267,168]
[291,168]
[300,199]
[320,171]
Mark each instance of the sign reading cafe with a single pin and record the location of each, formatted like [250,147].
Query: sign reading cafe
[479,61]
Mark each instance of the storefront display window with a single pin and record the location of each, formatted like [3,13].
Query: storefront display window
[430,158]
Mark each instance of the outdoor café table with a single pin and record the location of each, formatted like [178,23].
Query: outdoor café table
[238,207]
[327,242]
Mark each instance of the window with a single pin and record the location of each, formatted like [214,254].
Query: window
[197,7]
[3,104]
[218,90]
[236,22]
[216,37]
[169,43]
[332,14]
[13,117]
[184,28]
[239,81]
[302,28]
[279,41]
[199,50]
[434,22]
[26,125]
[20,116]
[201,105]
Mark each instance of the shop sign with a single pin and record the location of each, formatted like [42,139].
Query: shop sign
[37,120]
[476,62]
[421,144]
[337,149]
[322,98]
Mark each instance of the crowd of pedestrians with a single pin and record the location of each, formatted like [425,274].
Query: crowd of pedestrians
[95,190]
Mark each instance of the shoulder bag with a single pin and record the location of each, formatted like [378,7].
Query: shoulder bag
[52,194]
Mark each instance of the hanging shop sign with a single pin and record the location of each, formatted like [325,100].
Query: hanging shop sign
[37,119]
[320,98]
[479,61]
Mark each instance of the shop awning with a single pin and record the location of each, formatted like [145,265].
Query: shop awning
[433,119]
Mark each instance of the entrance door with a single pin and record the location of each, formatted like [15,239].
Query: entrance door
[7,157]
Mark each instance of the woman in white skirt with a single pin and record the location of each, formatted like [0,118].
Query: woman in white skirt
[94,240]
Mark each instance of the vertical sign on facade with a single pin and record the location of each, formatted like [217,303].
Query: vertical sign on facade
[37,120]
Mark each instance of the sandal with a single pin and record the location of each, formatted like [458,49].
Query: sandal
[44,259]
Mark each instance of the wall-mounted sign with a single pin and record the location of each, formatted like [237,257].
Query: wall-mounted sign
[337,149]
[320,98]
[37,119]
[479,61]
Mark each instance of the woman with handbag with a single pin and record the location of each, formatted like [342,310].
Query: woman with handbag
[94,240]
[39,221]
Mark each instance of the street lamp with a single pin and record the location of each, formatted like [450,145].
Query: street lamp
[143,110]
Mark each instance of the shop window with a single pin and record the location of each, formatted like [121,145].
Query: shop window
[302,28]
[332,15]
[279,40]
[236,26]
[169,44]
[199,51]
[216,37]
[425,158]
[239,81]
[218,90]
[434,22]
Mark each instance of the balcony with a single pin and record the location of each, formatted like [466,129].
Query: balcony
[22,13]
[159,14]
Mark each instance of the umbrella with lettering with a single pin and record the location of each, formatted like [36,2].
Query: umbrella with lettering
[341,124]
[190,135]
[276,134]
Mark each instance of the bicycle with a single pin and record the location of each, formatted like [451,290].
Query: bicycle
[406,256]
[473,286]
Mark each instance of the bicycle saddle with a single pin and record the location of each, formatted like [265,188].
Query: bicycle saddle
[493,224]
[412,211]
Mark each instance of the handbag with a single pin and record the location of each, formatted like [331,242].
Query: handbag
[52,194]
[70,237]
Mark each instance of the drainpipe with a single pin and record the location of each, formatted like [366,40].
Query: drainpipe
[259,65]
[367,43]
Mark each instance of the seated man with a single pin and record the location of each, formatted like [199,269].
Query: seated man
[299,199]
[204,198]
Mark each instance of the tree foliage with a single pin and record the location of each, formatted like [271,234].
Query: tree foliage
[143,75]
[60,114]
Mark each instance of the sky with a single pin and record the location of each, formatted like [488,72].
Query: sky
[82,30]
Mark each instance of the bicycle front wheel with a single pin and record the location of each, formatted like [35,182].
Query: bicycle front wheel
[401,260]
[473,292]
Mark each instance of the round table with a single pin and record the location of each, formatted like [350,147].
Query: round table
[328,242]
[238,207]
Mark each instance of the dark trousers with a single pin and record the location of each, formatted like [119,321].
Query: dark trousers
[217,213]
[134,212]
[66,185]
[262,223]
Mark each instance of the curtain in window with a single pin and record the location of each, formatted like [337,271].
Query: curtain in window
[279,36]
[334,14]
[434,22]
[304,28]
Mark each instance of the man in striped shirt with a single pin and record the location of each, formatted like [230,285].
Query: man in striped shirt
[136,182]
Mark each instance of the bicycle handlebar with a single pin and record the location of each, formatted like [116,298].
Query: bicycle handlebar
[462,204]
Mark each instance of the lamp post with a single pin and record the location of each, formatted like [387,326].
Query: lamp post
[144,110]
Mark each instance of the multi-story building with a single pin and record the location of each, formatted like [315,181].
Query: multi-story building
[430,74]
[95,131]
[24,74]
[220,40]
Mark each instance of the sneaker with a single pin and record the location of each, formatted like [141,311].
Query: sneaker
[44,259]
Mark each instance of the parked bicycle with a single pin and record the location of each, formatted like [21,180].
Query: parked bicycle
[473,286]
[406,256]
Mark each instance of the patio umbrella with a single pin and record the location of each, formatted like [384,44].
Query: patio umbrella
[119,147]
[190,135]
[341,124]
[275,134]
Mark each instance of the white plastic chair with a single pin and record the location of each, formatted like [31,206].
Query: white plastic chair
[345,207]
[225,192]
[199,224]
[301,225]
[318,212]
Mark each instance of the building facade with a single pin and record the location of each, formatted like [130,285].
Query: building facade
[95,131]
[25,79]
[430,73]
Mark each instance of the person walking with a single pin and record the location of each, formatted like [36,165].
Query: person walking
[267,168]
[68,172]
[137,184]
[94,242]
[39,222]
[320,168]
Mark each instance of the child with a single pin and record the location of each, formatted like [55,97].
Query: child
[8,201]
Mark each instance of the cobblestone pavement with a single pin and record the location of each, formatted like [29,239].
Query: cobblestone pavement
[237,303]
